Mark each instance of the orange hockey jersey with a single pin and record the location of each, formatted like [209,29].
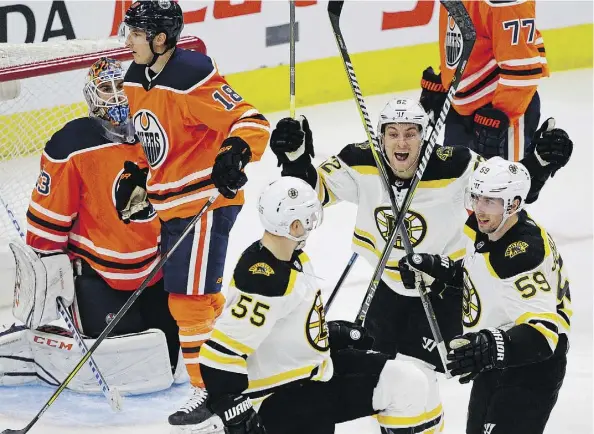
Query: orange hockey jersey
[182,115]
[507,61]
[72,207]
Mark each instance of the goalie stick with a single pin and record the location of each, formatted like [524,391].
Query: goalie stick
[116,319]
[456,9]
[111,393]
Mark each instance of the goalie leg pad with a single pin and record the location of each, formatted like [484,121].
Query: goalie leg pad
[16,359]
[134,363]
[38,283]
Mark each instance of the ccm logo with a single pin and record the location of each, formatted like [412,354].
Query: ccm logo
[52,343]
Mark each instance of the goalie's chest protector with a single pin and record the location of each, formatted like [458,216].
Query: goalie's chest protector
[434,221]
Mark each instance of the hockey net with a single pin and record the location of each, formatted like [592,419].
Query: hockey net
[40,90]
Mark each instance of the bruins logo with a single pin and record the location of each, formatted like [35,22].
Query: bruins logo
[316,328]
[516,248]
[444,152]
[471,303]
[415,225]
[261,268]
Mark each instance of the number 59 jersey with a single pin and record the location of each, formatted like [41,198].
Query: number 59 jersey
[434,220]
[273,329]
[518,279]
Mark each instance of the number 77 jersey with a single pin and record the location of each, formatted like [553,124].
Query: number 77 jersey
[518,279]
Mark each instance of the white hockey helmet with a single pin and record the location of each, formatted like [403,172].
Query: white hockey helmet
[286,200]
[498,178]
[402,111]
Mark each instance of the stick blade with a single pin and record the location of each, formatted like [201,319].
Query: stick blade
[13,431]
[335,7]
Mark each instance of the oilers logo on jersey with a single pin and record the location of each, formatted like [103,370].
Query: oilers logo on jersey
[152,136]
[316,327]
[471,303]
[415,225]
[453,44]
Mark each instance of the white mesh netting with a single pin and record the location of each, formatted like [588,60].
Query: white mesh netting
[35,106]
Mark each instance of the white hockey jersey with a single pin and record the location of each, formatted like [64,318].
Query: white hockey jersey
[518,279]
[273,329]
[434,220]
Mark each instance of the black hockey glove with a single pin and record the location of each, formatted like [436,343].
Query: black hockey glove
[433,94]
[552,146]
[238,415]
[130,193]
[490,131]
[345,334]
[227,171]
[292,142]
[430,268]
[473,353]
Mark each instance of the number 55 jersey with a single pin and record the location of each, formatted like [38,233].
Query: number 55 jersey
[273,331]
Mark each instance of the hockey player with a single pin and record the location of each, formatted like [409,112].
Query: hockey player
[396,318]
[516,305]
[272,349]
[496,109]
[68,220]
[197,134]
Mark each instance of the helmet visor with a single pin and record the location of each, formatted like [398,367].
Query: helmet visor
[483,204]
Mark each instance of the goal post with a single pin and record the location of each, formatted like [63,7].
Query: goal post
[41,89]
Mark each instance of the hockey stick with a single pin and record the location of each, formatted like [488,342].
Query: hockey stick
[462,19]
[111,393]
[292,58]
[116,319]
[343,276]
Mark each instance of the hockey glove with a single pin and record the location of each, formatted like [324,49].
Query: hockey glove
[238,415]
[292,142]
[490,131]
[433,94]
[345,334]
[473,353]
[429,268]
[130,193]
[227,171]
[552,146]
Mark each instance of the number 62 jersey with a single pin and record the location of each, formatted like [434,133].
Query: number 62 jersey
[518,279]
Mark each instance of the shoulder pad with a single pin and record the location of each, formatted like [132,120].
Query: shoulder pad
[259,272]
[76,135]
[135,73]
[520,250]
[357,154]
[187,69]
[447,162]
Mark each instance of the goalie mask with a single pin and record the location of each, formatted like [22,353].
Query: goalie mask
[104,93]
[287,200]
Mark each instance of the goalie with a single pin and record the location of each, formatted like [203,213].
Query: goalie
[87,256]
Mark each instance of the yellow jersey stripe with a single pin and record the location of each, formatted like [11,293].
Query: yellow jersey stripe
[221,338]
[292,279]
[278,379]
[222,359]
[410,421]
[551,337]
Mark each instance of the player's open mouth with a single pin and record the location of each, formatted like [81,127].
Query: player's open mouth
[401,156]
[482,221]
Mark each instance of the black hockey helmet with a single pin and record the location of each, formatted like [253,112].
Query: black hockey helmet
[154,17]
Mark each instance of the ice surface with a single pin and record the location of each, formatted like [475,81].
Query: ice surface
[564,208]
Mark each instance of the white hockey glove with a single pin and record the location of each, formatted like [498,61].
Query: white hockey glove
[38,284]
